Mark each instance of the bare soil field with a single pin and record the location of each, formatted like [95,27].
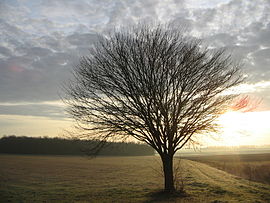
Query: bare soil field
[117,179]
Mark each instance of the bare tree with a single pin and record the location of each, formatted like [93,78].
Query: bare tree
[152,84]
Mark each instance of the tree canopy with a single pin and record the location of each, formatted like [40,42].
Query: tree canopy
[153,84]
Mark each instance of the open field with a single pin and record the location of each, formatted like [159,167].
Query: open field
[255,167]
[116,179]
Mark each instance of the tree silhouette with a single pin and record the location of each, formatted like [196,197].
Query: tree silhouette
[152,84]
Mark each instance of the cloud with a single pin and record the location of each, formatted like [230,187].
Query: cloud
[34,109]
[4,52]
[82,40]
[42,40]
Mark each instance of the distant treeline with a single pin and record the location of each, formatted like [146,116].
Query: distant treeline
[59,146]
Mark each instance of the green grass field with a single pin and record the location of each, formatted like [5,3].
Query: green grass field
[116,179]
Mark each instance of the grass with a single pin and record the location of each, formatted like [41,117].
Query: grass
[255,167]
[116,179]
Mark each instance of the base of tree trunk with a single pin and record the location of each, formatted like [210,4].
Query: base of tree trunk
[174,192]
[169,190]
[162,194]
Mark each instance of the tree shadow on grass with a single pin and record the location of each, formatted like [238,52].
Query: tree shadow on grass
[161,195]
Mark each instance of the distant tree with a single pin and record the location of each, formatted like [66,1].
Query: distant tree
[153,84]
[59,146]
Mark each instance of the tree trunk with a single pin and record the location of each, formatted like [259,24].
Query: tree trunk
[167,161]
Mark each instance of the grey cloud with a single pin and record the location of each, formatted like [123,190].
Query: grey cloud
[5,51]
[11,31]
[204,16]
[50,111]
[123,13]
[255,61]
[241,52]
[231,17]
[262,63]
[262,54]
[75,7]
[182,23]
[221,40]
[259,34]
[22,61]
[51,42]
[42,81]
[117,15]
[82,40]
[55,42]
[53,64]
[39,50]
[8,12]
[82,29]
[242,31]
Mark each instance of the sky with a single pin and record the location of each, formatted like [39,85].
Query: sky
[41,40]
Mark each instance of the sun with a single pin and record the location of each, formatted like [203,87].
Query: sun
[231,126]
[243,128]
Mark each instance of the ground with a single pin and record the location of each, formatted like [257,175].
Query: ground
[117,179]
[255,167]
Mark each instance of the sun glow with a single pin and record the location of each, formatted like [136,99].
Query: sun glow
[249,128]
